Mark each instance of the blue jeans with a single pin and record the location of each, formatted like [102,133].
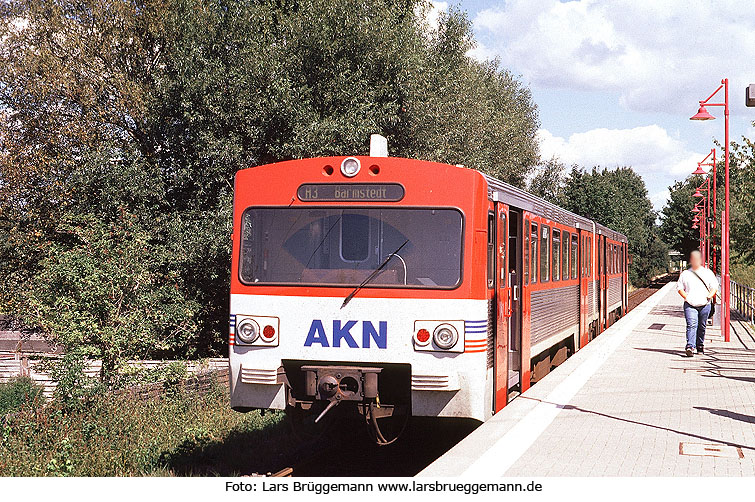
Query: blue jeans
[697,318]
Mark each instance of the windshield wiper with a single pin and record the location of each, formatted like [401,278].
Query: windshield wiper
[373,274]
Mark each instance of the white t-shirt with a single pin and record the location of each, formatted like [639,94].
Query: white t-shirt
[697,293]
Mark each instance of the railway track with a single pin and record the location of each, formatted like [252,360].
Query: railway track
[641,294]
[352,453]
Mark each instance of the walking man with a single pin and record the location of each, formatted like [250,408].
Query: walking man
[698,286]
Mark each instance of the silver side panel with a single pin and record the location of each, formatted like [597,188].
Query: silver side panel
[591,300]
[614,291]
[553,311]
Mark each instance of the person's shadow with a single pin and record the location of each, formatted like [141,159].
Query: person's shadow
[672,352]
[750,419]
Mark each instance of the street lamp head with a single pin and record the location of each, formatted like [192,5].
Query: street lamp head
[702,114]
[697,193]
[699,170]
[695,209]
[694,226]
[695,219]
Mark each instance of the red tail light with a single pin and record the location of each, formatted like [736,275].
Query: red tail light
[423,336]
[268,332]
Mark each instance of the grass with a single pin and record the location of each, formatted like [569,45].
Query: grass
[120,435]
[19,393]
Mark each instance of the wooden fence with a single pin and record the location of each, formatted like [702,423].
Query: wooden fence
[202,374]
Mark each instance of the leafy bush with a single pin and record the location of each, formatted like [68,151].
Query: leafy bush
[75,390]
[18,392]
[743,273]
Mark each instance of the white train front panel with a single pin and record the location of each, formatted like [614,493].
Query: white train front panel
[444,382]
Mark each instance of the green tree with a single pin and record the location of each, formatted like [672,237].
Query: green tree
[676,217]
[548,182]
[618,199]
[742,217]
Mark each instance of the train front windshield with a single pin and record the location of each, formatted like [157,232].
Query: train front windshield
[343,246]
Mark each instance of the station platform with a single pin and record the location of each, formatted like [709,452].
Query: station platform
[628,404]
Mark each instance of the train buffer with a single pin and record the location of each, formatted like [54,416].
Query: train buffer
[628,404]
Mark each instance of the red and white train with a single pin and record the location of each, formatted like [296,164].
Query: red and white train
[400,287]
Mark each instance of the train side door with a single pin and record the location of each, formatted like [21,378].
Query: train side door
[584,298]
[606,272]
[625,278]
[601,283]
[515,283]
[503,308]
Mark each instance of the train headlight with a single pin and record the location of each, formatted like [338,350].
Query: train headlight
[445,336]
[247,330]
[350,167]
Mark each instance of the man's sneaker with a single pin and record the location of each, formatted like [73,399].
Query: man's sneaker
[701,350]
[688,350]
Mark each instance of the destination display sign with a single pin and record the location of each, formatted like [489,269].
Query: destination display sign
[350,192]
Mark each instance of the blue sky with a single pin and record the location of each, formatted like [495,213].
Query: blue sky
[617,80]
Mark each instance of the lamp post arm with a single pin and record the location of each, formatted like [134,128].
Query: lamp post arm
[705,102]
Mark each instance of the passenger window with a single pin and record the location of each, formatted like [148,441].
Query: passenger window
[584,257]
[533,252]
[589,256]
[609,261]
[619,255]
[526,251]
[610,271]
[565,256]
[574,255]
[545,234]
[491,250]
[505,265]
[623,258]
[556,250]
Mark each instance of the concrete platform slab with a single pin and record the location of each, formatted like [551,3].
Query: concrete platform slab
[625,405]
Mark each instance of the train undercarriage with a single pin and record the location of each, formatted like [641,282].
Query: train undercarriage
[322,394]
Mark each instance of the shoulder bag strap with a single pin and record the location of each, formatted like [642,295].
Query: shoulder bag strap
[701,280]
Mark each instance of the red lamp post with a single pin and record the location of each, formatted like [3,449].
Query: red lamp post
[711,210]
[704,224]
[702,114]
[699,170]
[702,210]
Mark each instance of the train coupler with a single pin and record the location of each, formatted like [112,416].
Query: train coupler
[336,384]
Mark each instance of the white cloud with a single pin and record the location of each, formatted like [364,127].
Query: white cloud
[660,56]
[650,150]
[431,13]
